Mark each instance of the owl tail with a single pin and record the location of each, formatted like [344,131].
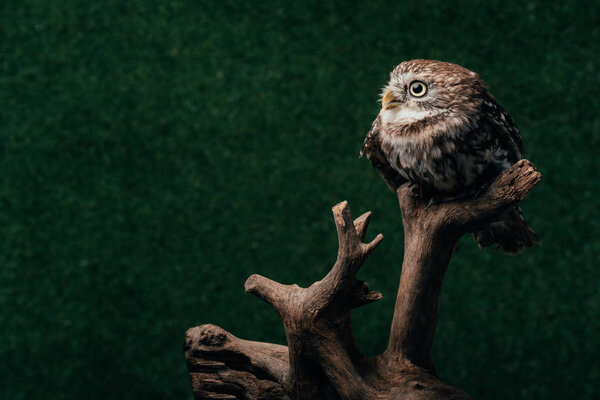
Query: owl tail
[510,232]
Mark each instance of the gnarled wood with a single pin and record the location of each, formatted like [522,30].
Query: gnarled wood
[321,360]
[431,233]
[222,366]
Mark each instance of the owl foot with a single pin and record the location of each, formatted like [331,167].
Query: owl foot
[480,190]
[430,198]
[435,200]
[440,199]
[431,202]
[415,189]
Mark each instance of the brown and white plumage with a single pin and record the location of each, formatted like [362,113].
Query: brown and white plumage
[440,128]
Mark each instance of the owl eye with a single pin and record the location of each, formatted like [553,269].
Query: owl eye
[417,89]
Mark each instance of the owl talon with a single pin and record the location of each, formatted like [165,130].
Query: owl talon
[414,188]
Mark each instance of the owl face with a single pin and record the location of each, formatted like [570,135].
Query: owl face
[427,93]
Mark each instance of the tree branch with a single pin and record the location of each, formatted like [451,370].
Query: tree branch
[324,307]
[223,365]
[431,233]
[321,361]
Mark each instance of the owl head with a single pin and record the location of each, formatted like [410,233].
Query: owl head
[422,93]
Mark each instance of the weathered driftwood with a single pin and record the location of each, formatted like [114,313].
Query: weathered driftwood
[321,360]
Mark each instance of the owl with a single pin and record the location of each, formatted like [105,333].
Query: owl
[440,128]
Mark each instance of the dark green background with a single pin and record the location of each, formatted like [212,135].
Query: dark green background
[155,154]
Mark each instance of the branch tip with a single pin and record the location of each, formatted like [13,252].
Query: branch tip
[339,207]
[512,185]
[252,282]
[372,245]
[266,289]
[362,295]
[344,223]
[361,224]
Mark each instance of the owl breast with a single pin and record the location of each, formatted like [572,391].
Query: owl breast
[451,164]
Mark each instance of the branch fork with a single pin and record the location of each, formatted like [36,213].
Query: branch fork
[338,283]
[321,360]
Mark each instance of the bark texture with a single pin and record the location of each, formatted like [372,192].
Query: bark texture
[321,360]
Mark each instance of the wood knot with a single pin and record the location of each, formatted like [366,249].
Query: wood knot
[212,336]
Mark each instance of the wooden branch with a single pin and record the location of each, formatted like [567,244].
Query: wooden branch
[321,361]
[224,367]
[324,307]
[431,233]
[352,253]
[467,214]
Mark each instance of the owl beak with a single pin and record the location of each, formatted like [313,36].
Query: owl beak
[388,101]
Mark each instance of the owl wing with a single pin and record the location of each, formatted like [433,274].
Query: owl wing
[374,153]
[503,126]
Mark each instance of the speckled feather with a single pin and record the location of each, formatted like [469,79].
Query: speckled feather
[452,141]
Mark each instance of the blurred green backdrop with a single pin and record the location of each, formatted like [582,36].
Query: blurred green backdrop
[155,154]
